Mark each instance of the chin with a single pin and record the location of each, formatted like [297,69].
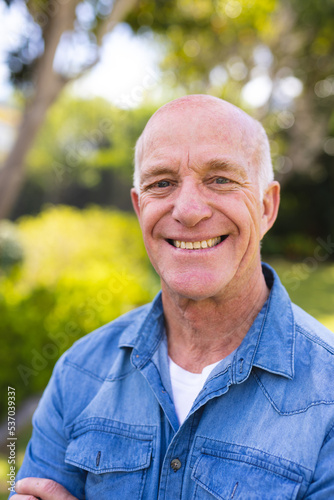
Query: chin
[196,287]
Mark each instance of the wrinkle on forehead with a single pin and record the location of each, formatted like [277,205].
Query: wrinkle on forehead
[234,126]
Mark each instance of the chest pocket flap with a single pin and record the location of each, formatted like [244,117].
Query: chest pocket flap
[227,475]
[99,451]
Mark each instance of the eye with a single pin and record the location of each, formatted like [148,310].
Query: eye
[221,180]
[162,187]
[162,184]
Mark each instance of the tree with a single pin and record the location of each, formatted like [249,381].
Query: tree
[83,154]
[225,47]
[55,18]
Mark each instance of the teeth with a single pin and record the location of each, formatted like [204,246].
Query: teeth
[195,245]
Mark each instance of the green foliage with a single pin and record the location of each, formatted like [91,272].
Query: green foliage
[81,270]
[11,250]
[310,284]
[83,155]
[81,138]
[201,35]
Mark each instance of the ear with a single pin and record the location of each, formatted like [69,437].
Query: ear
[270,204]
[135,202]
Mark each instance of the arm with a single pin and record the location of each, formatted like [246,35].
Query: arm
[45,454]
[322,485]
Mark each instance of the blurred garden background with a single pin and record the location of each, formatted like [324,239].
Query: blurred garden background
[78,81]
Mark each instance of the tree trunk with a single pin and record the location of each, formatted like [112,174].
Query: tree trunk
[12,171]
[48,87]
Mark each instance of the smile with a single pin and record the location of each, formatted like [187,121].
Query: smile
[197,245]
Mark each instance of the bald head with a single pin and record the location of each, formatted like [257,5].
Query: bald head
[204,110]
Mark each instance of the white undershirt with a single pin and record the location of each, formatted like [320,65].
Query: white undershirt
[186,387]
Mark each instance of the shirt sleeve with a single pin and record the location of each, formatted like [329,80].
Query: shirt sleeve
[322,485]
[45,453]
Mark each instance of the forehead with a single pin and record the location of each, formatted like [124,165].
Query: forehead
[198,133]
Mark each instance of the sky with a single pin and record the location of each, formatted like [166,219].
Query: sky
[127,69]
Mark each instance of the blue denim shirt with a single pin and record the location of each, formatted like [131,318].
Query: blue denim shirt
[261,427]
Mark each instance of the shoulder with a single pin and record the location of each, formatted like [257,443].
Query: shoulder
[311,332]
[312,384]
[83,369]
[314,356]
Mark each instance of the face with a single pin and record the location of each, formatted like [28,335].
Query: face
[199,203]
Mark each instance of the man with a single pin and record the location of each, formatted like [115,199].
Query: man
[221,388]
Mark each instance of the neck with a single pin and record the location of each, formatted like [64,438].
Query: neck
[201,332]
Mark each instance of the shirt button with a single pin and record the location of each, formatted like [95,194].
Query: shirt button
[175,464]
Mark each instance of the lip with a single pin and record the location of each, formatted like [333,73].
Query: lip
[198,238]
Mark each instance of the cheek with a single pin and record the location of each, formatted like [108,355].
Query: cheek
[151,214]
[244,211]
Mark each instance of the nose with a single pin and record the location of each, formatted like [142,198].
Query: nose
[190,206]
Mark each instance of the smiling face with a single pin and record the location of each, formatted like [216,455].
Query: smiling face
[199,202]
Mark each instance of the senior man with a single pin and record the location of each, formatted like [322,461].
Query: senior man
[221,388]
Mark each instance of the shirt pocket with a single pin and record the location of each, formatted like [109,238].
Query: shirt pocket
[116,462]
[225,475]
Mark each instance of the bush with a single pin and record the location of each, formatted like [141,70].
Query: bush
[81,269]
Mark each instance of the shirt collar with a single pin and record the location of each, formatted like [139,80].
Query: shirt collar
[275,352]
[145,333]
[269,343]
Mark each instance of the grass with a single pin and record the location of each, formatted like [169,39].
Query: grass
[310,285]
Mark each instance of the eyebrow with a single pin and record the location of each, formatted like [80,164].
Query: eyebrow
[220,164]
[211,165]
[155,171]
